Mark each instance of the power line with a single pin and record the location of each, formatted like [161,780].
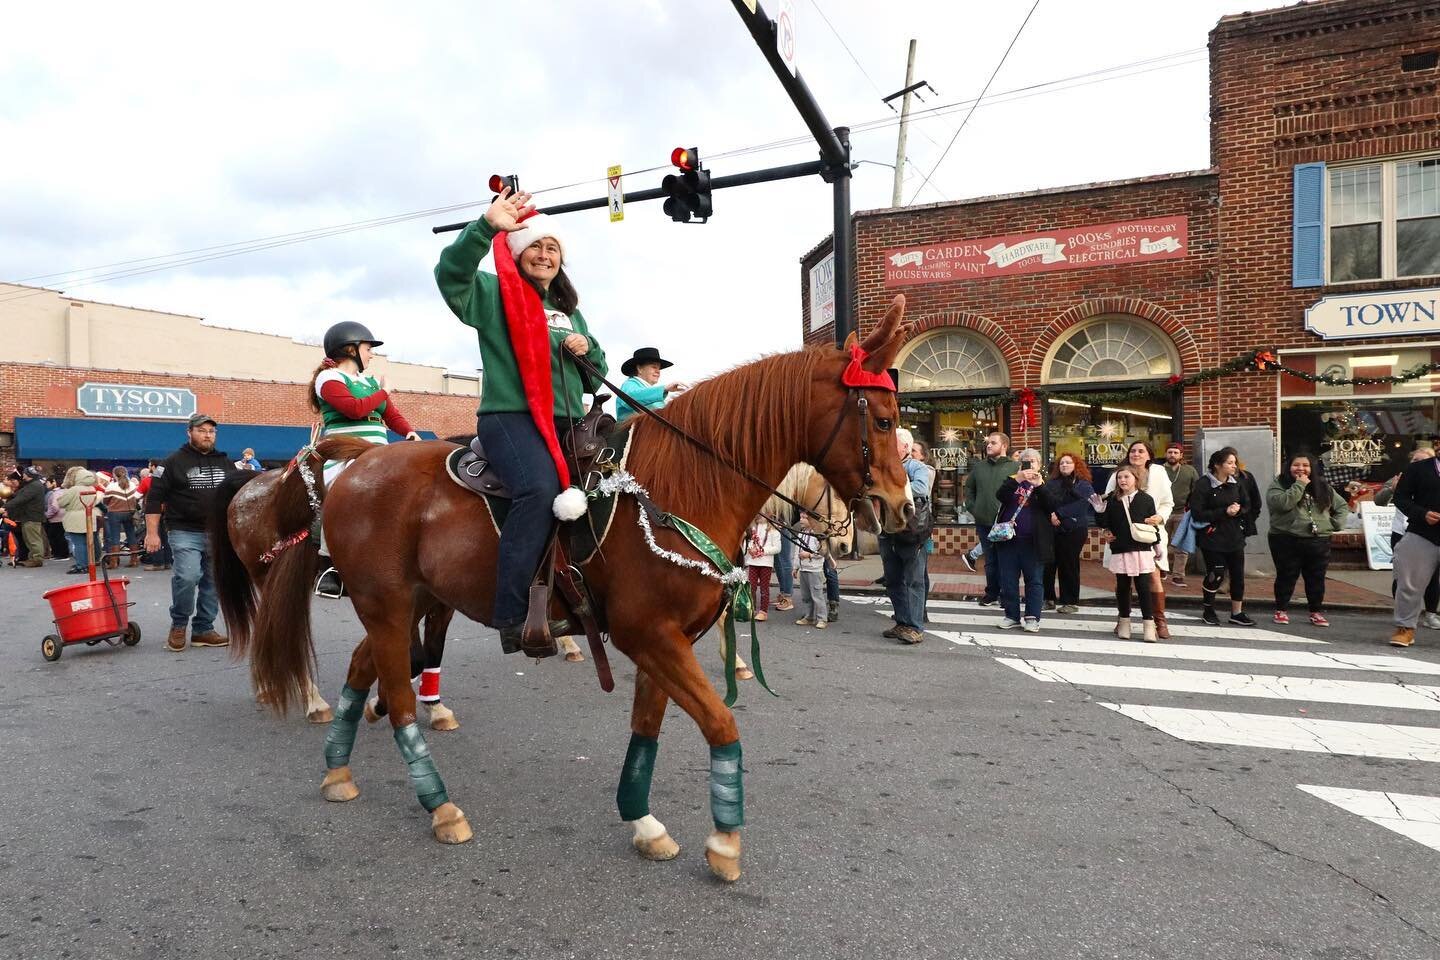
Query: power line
[816,5]
[983,91]
[145,265]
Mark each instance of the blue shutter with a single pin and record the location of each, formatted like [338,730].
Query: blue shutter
[1308,260]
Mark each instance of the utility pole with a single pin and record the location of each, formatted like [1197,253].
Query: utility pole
[904,127]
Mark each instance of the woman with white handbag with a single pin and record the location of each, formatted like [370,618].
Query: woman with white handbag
[1156,482]
[1125,513]
[1222,502]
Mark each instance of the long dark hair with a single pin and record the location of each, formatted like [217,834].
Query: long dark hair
[562,292]
[1319,488]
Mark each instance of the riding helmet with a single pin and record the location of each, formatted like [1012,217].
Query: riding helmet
[345,333]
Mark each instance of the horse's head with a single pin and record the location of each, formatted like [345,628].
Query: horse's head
[852,425]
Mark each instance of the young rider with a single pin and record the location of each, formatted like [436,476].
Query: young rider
[351,403]
[526,318]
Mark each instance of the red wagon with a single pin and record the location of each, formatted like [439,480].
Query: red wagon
[90,612]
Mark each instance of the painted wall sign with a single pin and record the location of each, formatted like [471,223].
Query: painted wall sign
[135,400]
[1387,313]
[822,292]
[1074,248]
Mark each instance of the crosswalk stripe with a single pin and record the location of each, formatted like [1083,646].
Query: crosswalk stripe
[1179,630]
[1383,740]
[1354,692]
[1408,814]
[880,600]
[1326,660]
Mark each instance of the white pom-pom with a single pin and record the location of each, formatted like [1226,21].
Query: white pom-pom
[571,504]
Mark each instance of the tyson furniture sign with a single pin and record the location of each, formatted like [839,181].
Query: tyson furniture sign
[1073,248]
[135,400]
[1388,313]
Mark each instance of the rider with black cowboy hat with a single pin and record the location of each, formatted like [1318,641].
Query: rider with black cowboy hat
[644,385]
[526,318]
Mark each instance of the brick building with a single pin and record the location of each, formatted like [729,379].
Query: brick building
[1315,233]
[84,382]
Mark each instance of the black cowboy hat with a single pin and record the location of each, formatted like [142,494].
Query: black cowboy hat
[643,355]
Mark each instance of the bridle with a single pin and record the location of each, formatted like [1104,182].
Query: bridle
[862,405]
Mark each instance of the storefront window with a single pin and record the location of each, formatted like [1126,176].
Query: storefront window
[954,439]
[1362,442]
[1112,348]
[952,360]
[1101,435]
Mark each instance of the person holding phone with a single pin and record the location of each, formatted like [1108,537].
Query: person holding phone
[1126,513]
[1222,502]
[1022,542]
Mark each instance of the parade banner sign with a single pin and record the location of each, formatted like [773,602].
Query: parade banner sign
[1376,521]
[135,400]
[1074,248]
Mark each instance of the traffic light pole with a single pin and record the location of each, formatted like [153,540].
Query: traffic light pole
[788,172]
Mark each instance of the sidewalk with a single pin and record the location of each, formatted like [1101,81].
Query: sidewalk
[950,580]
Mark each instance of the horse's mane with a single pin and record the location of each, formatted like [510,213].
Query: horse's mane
[750,414]
[793,486]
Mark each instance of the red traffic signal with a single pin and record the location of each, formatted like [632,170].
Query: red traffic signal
[498,183]
[685,159]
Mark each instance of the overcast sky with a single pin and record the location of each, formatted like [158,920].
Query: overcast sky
[140,131]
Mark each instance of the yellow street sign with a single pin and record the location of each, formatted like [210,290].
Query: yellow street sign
[617,195]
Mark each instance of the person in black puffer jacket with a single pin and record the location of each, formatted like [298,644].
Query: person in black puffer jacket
[1221,503]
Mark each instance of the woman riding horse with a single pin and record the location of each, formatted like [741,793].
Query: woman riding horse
[526,321]
[351,403]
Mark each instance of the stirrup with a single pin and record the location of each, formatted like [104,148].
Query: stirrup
[329,584]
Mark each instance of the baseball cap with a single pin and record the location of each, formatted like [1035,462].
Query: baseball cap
[34,473]
[199,418]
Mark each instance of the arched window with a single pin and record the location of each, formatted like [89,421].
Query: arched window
[952,359]
[1111,348]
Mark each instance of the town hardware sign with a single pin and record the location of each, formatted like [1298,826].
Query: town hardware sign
[1391,313]
[135,400]
[1074,248]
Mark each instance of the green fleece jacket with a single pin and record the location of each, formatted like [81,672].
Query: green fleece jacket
[983,482]
[474,297]
[1291,511]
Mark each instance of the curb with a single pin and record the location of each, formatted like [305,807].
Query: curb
[856,586]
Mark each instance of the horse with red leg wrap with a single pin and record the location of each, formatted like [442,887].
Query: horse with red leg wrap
[410,539]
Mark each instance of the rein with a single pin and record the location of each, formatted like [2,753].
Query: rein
[831,530]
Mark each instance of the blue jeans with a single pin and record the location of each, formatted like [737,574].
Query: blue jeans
[1017,558]
[77,550]
[192,591]
[784,578]
[904,581]
[115,524]
[832,581]
[521,460]
[992,566]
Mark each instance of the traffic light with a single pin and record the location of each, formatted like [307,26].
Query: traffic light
[689,191]
[499,183]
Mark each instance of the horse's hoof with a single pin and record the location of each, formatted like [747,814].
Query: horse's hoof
[449,824]
[443,718]
[657,848]
[338,786]
[744,673]
[574,656]
[322,715]
[722,852]
[370,715]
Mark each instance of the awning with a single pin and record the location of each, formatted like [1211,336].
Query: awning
[62,438]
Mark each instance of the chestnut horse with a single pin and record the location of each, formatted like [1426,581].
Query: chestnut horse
[408,539]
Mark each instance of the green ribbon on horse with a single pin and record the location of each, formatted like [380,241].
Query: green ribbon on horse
[742,607]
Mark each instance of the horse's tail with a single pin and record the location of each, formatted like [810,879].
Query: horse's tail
[232,579]
[282,651]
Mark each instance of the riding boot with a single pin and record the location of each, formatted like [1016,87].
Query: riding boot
[1157,601]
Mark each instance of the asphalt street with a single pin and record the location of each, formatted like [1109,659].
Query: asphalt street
[983,795]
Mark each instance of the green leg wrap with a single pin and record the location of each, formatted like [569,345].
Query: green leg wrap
[633,794]
[340,738]
[429,788]
[727,789]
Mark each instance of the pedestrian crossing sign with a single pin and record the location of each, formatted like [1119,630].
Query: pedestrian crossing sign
[617,195]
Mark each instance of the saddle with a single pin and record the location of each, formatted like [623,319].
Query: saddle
[583,445]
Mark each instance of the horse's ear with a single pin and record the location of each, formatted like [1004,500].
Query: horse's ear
[885,340]
[850,341]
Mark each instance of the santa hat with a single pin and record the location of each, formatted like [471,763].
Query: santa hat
[530,338]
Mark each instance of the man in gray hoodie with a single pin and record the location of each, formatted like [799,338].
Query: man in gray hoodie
[981,485]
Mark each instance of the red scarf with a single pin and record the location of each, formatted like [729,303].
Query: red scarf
[530,338]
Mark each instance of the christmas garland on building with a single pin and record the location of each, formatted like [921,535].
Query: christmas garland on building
[1262,361]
